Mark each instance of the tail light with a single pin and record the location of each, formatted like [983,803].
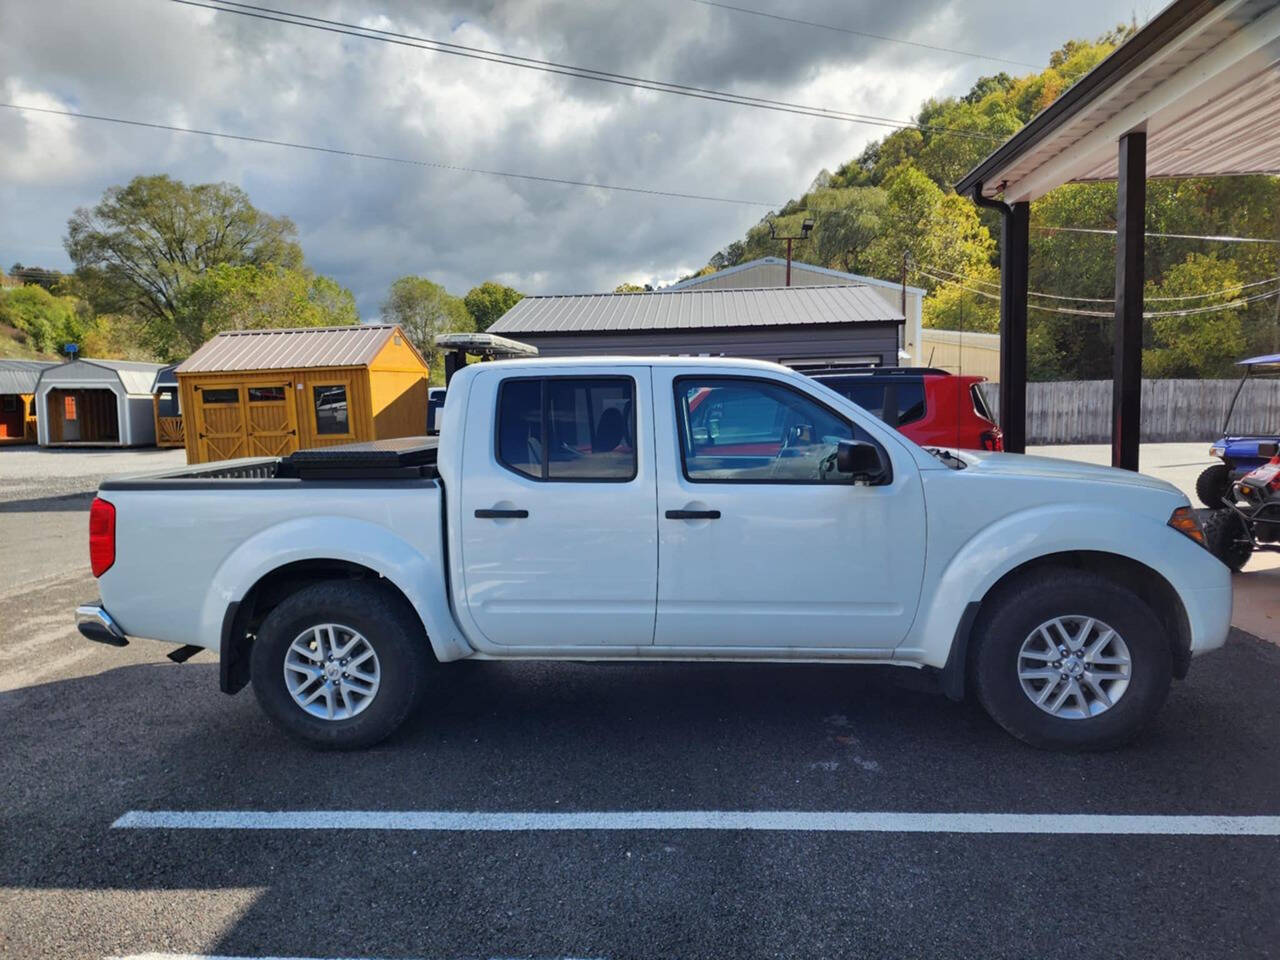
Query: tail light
[102,536]
[992,440]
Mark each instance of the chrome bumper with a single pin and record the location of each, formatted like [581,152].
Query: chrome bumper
[94,623]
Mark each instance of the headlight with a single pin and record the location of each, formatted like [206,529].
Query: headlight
[1216,451]
[1185,522]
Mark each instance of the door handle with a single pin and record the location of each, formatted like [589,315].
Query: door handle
[693,514]
[502,514]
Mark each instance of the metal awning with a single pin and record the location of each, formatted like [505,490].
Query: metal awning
[1202,80]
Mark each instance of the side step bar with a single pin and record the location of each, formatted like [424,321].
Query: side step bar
[94,623]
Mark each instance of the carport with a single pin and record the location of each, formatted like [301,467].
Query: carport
[97,403]
[1196,92]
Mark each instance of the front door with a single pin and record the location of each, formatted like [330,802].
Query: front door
[761,542]
[220,422]
[272,422]
[559,540]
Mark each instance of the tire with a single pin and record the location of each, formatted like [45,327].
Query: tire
[1223,530]
[1213,484]
[1005,628]
[401,664]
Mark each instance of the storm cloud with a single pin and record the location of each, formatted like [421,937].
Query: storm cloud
[366,222]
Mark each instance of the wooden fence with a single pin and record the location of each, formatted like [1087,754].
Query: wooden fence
[1079,411]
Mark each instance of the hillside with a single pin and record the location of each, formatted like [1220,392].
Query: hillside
[895,201]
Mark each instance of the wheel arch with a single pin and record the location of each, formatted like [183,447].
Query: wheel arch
[245,615]
[1148,583]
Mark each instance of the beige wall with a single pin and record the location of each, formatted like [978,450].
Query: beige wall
[976,354]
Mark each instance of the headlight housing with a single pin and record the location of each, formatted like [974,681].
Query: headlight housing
[1184,521]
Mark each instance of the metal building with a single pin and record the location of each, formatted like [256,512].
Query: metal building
[18,379]
[772,272]
[807,327]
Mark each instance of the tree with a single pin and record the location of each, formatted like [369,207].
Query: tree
[46,322]
[487,302]
[425,310]
[633,288]
[248,296]
[144,243]
[1200,344]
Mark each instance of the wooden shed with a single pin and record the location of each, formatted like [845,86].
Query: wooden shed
[167,409]
[18,379]
[250,393]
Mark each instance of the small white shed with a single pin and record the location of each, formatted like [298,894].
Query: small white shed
[97,403]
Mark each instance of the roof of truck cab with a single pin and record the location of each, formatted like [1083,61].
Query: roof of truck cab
[633,361]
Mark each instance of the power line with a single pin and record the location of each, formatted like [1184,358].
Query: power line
[863,33]
[1151,315]
[389,159]
[566,70]
[1232,290]
[1168,236]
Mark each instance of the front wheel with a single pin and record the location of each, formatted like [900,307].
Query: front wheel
[1066,659]
[340,665]
[1213,484]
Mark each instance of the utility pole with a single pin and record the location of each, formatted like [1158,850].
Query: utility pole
[805,229]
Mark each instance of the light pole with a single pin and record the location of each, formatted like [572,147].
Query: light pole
[805,229]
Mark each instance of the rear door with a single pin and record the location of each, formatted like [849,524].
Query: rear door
[558,504]
[761,542]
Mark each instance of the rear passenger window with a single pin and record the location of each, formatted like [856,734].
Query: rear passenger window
[896,402]
[568,428]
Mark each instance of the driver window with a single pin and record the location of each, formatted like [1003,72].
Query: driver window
[757,431]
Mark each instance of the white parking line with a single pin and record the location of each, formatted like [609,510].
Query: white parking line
[782,820]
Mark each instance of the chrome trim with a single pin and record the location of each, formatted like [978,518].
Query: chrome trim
[97,619]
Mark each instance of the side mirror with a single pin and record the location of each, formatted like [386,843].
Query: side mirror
[864,461]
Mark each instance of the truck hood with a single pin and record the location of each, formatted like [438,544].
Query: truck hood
[1021,465]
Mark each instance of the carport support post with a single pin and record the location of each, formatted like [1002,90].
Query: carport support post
[1014,266]
[1131,210]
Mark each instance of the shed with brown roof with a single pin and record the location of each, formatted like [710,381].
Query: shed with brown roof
[251,393]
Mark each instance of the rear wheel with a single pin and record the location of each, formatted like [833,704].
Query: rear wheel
[1066,659]
[1227,539]
[1213,484]
[340,665]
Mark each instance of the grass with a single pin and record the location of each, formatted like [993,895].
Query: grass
[13,346]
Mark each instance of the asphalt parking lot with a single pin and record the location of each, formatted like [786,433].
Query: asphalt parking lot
[383,854]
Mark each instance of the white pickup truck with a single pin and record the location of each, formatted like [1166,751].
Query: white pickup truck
[668,509]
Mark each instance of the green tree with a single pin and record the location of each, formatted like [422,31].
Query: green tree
[971,303]
[1201,344]
[45,321]
[632,288]
[425,310]
[487,302]
[143,244]
[251,296]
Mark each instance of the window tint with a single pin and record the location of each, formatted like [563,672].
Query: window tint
[266,394]
[896,402]
[568,428]
[753,430]
[331,409]
[231,395]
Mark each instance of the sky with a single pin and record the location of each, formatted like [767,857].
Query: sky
[367,222]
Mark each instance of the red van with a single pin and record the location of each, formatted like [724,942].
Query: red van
[932,407]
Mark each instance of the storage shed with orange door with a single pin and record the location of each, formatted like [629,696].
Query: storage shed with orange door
[253,393]
[99,403]
[18,379]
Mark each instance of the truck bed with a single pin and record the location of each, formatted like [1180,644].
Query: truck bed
[404,458]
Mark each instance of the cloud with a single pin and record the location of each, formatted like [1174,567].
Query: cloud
[367,222]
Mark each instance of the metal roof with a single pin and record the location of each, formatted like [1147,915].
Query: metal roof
[238,350]
[1202,78]
[696,309]
[165,377]
[1259,361]
[20,376]
[837,276]
[135,376]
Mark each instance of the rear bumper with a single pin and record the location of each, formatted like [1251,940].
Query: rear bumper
[94,623]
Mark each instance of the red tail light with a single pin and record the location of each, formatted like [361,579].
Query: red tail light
[102,536]
[992,440]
